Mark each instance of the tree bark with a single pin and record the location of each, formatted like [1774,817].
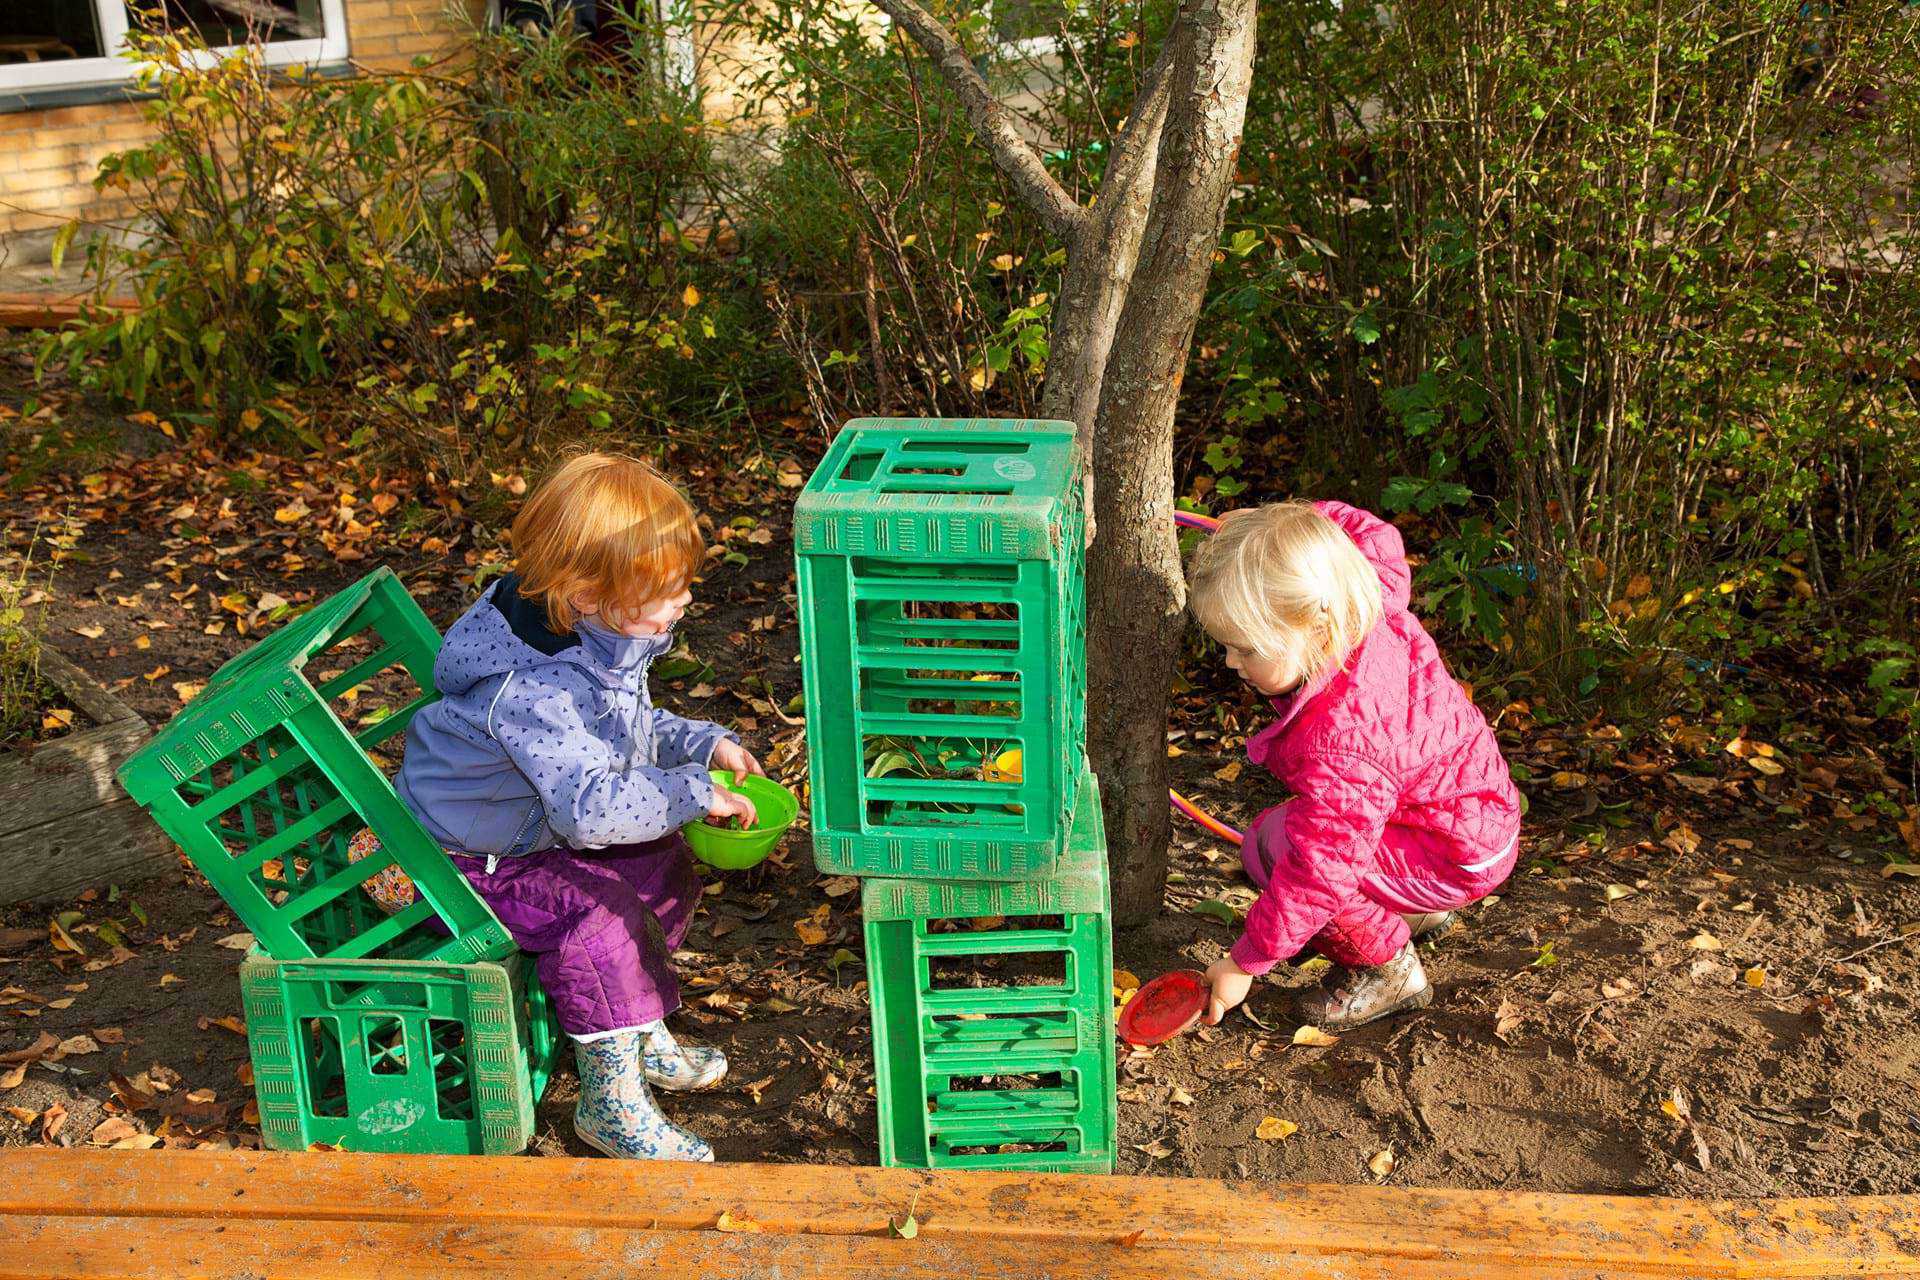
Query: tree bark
[1136,592]
[1136,275]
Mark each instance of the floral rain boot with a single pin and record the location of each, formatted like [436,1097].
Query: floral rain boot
[1354,997]
[616,1114]
[679,1067]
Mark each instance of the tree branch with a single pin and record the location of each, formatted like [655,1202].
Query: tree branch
[1015,157]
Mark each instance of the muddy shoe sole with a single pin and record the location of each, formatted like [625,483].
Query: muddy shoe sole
[1418,1000]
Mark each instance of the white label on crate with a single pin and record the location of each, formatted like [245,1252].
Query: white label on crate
[391,1116]
[1011,468]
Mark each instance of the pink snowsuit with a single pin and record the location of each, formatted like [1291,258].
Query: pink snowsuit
[1401,800]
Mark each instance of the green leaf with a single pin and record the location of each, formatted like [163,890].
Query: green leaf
[1243,243]
[61,240]
[1215,909]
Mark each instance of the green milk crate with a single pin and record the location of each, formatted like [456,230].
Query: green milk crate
[262,781]
[993,1041]
[942,616]
[404,1056]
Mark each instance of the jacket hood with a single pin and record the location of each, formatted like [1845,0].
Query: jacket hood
[1381,544]
[504,632]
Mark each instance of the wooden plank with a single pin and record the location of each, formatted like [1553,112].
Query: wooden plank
[87,693]
[65,822]
[52,310]
[323,1215]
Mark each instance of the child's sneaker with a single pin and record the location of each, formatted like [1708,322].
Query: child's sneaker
[680,1067]
[1432,924]
[1354,997]
[616,1114]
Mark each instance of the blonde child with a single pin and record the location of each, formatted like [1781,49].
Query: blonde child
[560,790]
[1403,809]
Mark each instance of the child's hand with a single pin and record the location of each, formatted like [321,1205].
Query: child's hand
[1230,985]
[736,759]
[731,804]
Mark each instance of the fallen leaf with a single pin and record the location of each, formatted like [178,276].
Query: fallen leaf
[39,1049]
[906,1228]
[110,1035]
[65,1002]
[202,1096]
[1155,1150]
[138,1142]
[1704,942]
[171,980]
[187,690]
[62,940]
[758,1087]
[1312,1035]
[1131,1239]
[79,1045]
[1215,909]
[52,1120]
[236,941]
[24,1115]
[1695,783]
[727,1222]
[1615,892]
[1772,768]
[91,633]
[110,1131]
[1180,1097]
[839,886]
[1506,1018]
[230,1023]
[1755,977]
[1273,1129]
[1675,1105]
[810,932]
[1381,1165]
[1228,772]
[11,1079]
[1614,989]
[293,511]
[1893,869]
[1683,839]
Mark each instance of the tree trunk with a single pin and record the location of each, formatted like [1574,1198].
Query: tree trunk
[1136,592]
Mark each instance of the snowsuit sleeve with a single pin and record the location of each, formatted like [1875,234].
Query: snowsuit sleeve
[679,741]
[591,801]
[1333,828]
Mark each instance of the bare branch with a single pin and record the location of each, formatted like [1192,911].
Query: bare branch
[1015,157]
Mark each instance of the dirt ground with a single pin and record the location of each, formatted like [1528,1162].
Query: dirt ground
[1694,989]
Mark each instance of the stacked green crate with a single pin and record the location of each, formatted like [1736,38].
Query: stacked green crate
[405,1055]
[942,613]
[262,781]
[993,1015]
[422,1029]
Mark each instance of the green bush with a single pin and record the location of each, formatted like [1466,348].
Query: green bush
[491,252]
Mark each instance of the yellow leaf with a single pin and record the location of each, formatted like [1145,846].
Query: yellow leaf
[728,1222]
[1125,981]
[91,633]
[1638,585]
[1615,892]
[58,718]
[1772,768]
[690,296]
[1229,772]
[1381,1165]
[1704,942]
[1756,977]
[1893,869]
[1567,780]
[1005,262]
[1312,1035]
[810,933]
[1273,1129]
[293,511]
[187,690]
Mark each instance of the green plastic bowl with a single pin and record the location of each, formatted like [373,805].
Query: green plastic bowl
[730,848]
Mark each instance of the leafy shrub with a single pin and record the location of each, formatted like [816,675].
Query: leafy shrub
[492,251]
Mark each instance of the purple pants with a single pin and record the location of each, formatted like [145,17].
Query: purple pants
[601,924]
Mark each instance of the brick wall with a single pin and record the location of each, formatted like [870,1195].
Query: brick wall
[48,158]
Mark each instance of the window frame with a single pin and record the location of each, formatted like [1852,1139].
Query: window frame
[114,69]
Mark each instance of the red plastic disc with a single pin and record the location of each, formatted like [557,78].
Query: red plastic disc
[1164,1008]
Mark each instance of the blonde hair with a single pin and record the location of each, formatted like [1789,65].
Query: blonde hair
[607,526]
[1286,584]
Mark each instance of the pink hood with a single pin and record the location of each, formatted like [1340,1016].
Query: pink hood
[1388,749]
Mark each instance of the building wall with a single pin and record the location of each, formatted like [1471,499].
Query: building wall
[48,156]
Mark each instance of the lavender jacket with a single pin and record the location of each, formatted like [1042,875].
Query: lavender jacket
[542,739]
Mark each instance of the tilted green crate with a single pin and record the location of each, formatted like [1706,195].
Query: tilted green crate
[942,615]
[262,782]
[1016,1076]
[402,1056]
